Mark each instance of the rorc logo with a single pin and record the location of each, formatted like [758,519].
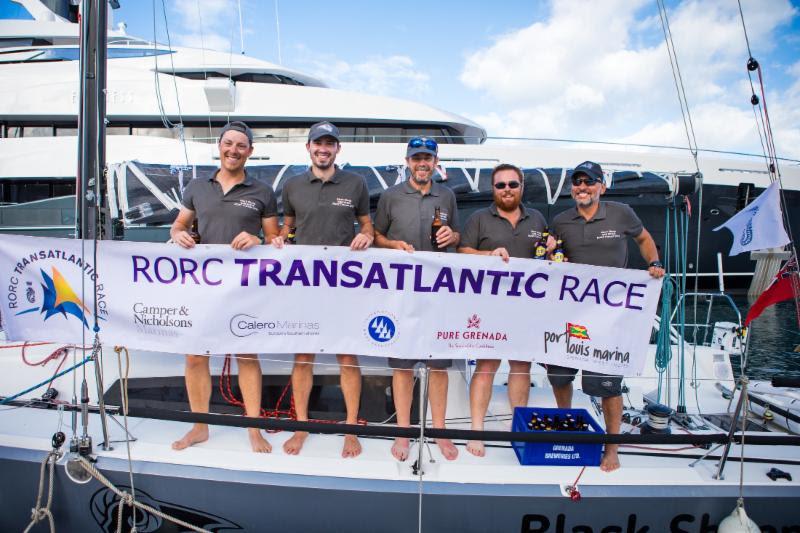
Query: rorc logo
[381,328]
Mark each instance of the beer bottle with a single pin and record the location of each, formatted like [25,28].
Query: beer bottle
[435,226]
[290,237]
[194,232]
[540,248]
[558,255]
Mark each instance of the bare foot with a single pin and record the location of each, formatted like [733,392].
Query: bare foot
[400,449]
[196,435]
[610,461]
[257,442]
[295,443]
[476,448]
[351,448]
[447,448]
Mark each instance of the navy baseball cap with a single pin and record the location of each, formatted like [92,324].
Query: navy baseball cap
[241,127]
[323,129]
[591,169]
[422,145]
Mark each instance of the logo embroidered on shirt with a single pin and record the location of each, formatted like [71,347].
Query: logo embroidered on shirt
[248,204]
[608,234]
[343,202]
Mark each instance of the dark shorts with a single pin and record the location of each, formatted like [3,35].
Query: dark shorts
[592,383]
[408,364]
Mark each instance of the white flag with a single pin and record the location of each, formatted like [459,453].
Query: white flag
[759,225]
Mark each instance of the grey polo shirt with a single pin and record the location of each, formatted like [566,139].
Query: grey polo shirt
[601,241]
[404,214]
[325,211]
[221,217]
[486,230]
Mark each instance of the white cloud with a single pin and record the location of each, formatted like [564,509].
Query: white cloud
[395,75]
[209,24]
[600,70]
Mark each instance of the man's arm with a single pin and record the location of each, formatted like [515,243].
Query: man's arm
[648,249]
[269,226]
[280,239]
[179,232]
[366,236]
[381,241]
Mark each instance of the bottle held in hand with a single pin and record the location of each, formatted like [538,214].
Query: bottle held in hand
[195,232]
[540,248]
[435,227]
[558,255]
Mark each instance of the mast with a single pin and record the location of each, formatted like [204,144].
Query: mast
[91,118]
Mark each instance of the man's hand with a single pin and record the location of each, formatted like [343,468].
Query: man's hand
[551,244]
[502,252]
[183,239]
[446,237]
[362,241]
[656,272]
[244,240]
[278,242]
[402,245]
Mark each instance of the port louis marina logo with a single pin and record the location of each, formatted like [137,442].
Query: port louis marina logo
[576,342]
[472,336]
[44,285]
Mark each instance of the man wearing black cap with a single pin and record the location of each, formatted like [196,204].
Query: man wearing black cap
[323,205]
[231,208]
[596,233]
[403,222]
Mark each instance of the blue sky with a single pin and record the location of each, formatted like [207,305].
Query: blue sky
[565,69]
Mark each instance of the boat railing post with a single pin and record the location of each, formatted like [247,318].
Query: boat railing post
[423,415]
[739,407]
[98,374]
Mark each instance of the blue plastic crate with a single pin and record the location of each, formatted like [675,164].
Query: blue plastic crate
[545,453]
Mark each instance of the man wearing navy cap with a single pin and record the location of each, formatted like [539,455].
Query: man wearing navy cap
[323,205]
[403,222]
[596,233]
[231,208]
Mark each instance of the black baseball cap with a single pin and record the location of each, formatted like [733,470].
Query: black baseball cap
[241,127]
[323,129]
[589,168]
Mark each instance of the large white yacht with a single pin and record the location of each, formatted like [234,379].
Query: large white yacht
[166,105]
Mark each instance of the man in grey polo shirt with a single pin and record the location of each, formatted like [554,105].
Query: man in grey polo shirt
[323,205]
[505,229]
[231,208]
[596,233]
[403,222]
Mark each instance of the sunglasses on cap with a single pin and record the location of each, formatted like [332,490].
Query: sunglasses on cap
[500,185]
[419,142]
[584,180]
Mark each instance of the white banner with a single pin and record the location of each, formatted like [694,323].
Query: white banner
[311,299]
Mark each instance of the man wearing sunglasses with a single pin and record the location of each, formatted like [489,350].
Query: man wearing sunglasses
[323,204]
[596,233]
[505,229]
[403,222]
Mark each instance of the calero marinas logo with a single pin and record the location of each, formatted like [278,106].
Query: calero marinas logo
[59,298]
[577,331]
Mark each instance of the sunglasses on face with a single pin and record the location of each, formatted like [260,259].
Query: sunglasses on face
[584,180]
[419,142]
[500,185]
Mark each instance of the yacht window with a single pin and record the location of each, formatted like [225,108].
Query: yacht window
[280,134]
[117,130]
[38,131]
[250,77]
[153,132]
[14,132]
[66,132]
[72,54]
[13,11]
[22,191]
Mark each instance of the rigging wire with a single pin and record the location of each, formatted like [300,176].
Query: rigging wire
[203,52]
[278,32]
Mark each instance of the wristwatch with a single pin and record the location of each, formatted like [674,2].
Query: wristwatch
[656,264]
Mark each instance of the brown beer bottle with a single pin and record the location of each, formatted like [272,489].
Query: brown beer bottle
[435,226]
[194,232]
